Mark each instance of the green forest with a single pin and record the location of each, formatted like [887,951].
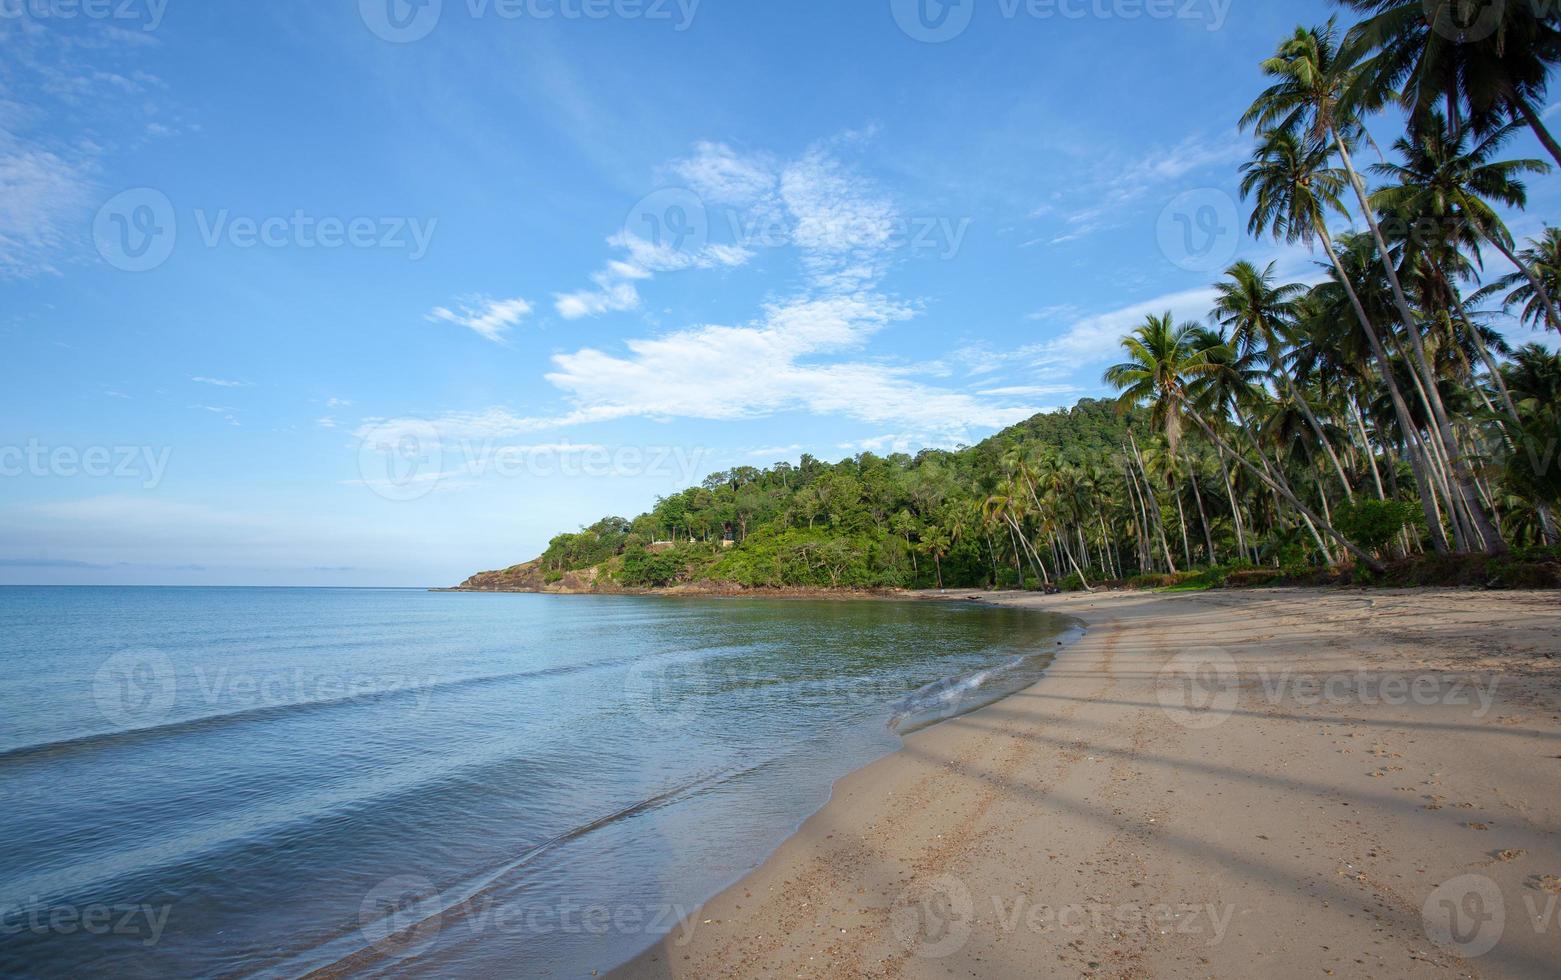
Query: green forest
[1370,417]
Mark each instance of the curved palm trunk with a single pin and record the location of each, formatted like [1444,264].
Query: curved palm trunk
[1181,519]
[1149,495]
[1277,471]
[1030,553]
[1459,474]
[1365,445]
[1311,419]
[1417,462]
[1537,124]
[1285,492]
[1235,508]
[1528,273]
[1203,515]
[1075,563]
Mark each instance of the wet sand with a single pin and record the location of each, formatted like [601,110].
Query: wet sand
[1278,783]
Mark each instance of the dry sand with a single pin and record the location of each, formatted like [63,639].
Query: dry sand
[1255,784]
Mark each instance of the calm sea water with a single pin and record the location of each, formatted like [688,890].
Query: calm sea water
[237,782]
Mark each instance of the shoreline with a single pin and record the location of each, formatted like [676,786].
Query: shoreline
[1094,823]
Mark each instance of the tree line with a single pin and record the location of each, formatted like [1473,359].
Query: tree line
[1372,414]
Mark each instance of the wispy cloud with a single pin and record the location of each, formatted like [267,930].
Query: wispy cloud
[721,175]
[774,453]
[49,184]
[222,382]
[489,318]
[42,196]
[228,414]
[1105,202]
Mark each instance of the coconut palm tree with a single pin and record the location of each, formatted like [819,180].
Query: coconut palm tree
[1447,183]
[1258,313]
[1294,190]
[1543,256]
[1491,60]
[1313,94]
[1165,370]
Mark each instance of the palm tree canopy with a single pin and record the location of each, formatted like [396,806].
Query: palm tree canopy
[1292,186]
[1443,177]
[1481,58]
[1164,368]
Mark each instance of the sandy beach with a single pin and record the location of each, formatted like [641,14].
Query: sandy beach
[1231,784]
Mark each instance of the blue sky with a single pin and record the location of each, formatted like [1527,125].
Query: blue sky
[366,293]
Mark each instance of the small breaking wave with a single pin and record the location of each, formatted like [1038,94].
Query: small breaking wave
[964,693]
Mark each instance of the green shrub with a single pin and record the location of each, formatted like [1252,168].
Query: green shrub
[644,570]
[1373,524]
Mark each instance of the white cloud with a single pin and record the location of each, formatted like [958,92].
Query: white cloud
[227,414]
[842,227]
[720,175]
[1098,338]
[615,291]
[338,403]
[1030,391]
[222,383]
[42,197]
[774,453]
[325,423]
[1108,201]
[489,318]
[731,373]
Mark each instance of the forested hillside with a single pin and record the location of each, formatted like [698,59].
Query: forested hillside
[962,517]
[1371,415]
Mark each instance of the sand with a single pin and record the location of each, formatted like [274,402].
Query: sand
[1235,784]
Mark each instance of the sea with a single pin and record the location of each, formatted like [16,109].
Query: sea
[237,782]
